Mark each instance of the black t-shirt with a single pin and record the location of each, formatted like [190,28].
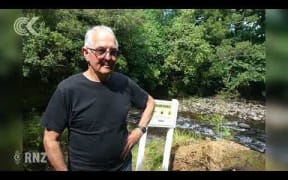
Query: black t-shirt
[95,114]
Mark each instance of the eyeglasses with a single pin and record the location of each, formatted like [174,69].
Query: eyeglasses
[102,51]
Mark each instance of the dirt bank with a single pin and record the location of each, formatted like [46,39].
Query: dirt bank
[222,155]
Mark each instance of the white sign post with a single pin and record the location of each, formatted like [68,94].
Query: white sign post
[164,116]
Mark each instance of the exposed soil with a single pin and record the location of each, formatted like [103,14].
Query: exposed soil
[222,155]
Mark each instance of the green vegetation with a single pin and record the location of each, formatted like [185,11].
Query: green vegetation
[183,137]
[154,149]
[169,52]
[217,121]
[153,155]
[33,135]
[33,141]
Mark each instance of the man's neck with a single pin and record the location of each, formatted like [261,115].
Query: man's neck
[96,77]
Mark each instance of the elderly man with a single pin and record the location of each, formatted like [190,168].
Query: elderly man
[93,105]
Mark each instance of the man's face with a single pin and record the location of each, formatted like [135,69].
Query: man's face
[102,55]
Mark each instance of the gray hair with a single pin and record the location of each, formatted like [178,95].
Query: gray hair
[88,36]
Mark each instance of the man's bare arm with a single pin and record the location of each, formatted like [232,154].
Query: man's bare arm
[147,113]
[135,135]
[53,150]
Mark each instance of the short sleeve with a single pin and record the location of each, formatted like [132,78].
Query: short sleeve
[56,116]
[138,95]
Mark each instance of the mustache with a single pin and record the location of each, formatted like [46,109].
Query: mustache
[109,63]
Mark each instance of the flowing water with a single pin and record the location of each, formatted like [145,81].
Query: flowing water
[249,133]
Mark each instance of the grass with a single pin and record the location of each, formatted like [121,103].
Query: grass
[217,121]
[183,137]
[154,149]
[153,155]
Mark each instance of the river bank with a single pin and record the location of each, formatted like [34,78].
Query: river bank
[243,150]
[242,110]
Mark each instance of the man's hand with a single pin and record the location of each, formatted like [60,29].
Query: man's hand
[132,139]
[53,149]
[136,134]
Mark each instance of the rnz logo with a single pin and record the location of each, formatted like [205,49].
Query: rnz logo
[30,157]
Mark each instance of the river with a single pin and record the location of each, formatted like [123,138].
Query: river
[249,133]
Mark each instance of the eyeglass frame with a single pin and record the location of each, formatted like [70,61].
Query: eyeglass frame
[106,51]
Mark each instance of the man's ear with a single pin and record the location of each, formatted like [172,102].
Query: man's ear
[84,51]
